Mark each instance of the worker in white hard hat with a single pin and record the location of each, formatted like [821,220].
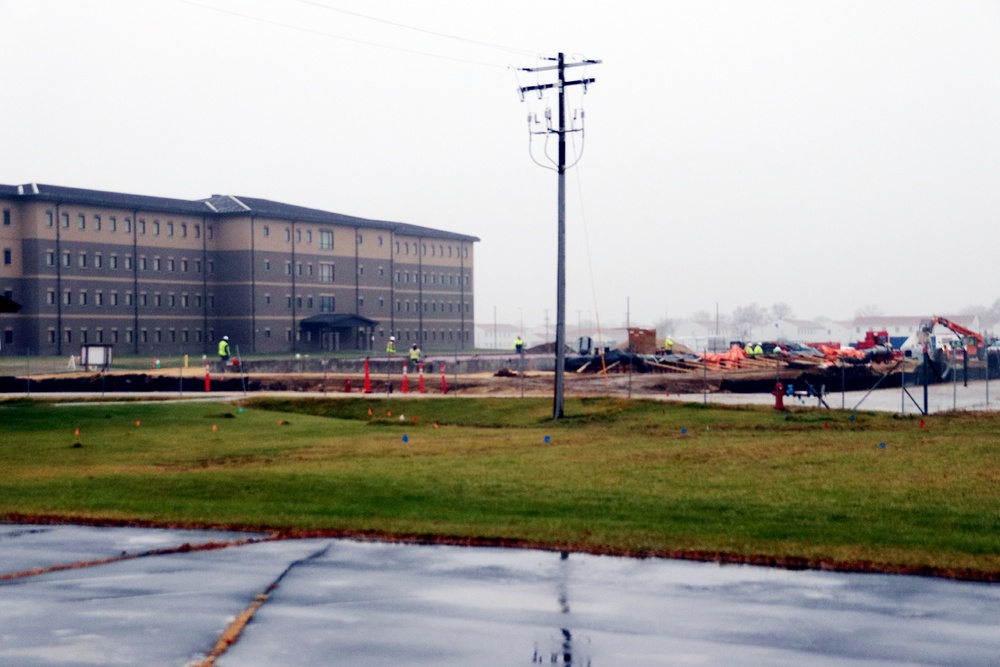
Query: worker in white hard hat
[224,352]
[390,347]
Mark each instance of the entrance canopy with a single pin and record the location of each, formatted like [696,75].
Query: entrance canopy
[337,331]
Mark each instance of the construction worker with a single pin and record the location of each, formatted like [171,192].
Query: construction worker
[518,345]
[758,350]
[390,347]
[668,345]
[414,355]
[748,348]
[224,352]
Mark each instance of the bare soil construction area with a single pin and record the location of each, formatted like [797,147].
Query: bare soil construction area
[504,382]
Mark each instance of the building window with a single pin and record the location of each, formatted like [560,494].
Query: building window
[156,263]
[114,298]
[309,236]
[267,265]
[50,258]
[184,266]
[380,241]
[267,299]
[298,236]
[184,233]
[112,224]
[170,229]
[128,262]
[114,335]
[326,239]
[98,261]
[6,217]
[326,273]
[142,263]
[129,299]
[156,227]
[81,221]
[50,297]
[288,301]
[67,259]
[170,264]
[141,227]
[197,235]
[65,220]
[267,231]
[8,256]
[128,226]
[171,300]
[288,234]
[327,304]
[83,298]
[185,302]
[82,260]
[49,219]
[98,298]
[97,223]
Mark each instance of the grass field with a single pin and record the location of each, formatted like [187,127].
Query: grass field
[809,488]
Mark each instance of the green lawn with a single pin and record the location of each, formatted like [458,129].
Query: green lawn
[619,476]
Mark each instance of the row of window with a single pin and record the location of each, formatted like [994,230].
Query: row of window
[181,229]
[158,300]
[98,335]
[403,248]
[435,278]
[327,303]
[85,336]
[169,264]
[430,306]
[155,228]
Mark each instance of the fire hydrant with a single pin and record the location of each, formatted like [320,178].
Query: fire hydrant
[779,396]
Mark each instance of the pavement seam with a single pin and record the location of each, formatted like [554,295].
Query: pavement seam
[235,629]
[183,548]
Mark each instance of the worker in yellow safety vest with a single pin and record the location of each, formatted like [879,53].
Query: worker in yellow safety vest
[224,352]
[518,345]
[414,355]
[668,345]
[390,347]
[748,348]
[758,350]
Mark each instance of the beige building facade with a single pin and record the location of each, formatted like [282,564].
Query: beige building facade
[159,276]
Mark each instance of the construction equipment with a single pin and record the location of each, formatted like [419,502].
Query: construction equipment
[971,341]
[877,347]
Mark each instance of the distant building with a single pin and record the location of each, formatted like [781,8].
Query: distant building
[153,275]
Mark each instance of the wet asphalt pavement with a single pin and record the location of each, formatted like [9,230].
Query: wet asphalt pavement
[340,602]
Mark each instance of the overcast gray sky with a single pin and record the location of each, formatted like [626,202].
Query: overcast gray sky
[823,154]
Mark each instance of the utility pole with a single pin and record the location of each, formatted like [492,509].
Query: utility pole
[560,85]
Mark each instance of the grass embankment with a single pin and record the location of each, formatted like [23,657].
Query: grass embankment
[617,476]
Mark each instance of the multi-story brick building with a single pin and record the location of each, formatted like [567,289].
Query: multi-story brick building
[152,275]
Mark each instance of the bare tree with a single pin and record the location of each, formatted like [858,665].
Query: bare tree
[745,318]
[781,311]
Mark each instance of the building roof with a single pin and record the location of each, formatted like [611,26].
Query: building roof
[61,194]
[215,206]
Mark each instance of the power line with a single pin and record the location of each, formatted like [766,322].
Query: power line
[340,37]
[416,29]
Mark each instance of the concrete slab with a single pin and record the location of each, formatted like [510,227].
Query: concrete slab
[378,604]
[161,610]
[26,547]
[367,603]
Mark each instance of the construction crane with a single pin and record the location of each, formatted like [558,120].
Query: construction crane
[972,341]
